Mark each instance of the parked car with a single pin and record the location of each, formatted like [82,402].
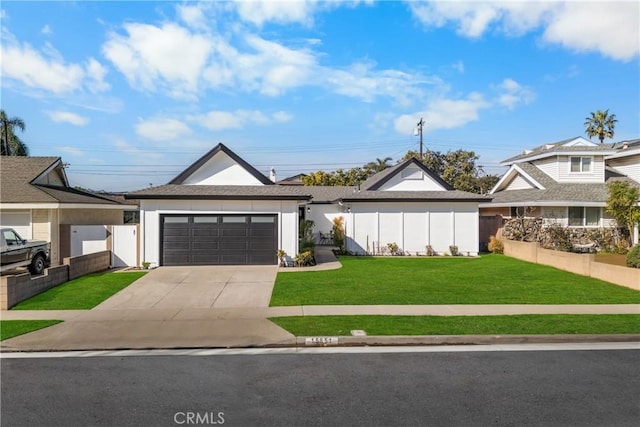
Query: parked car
[17,252]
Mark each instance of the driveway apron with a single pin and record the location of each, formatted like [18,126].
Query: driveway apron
[197,287]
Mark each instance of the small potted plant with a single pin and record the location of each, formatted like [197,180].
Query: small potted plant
[282,257]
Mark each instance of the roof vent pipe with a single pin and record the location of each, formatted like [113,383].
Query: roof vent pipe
[272,175]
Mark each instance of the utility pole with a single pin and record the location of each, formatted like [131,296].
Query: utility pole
[420,126]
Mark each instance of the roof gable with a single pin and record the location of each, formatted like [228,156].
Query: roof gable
[410,175]
[221,166]
[519,177]
[40,180]
[572,146]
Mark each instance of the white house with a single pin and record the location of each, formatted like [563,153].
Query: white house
[565,182]
[221,210]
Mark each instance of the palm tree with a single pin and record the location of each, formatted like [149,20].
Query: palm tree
[600,124]
[379,165]
[11,144]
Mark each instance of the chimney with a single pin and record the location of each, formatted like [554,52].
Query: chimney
[272,175]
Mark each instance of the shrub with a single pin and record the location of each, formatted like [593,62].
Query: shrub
[454,250]
[281,257]
[430,251]
[304,259]
[146,265]
[394,249]
[633,257]
[495,246]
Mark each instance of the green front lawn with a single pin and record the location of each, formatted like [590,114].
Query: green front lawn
[462,325]
[490,279]
[82,293]
[13,328]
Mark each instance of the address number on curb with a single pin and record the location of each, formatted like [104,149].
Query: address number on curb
[321,341]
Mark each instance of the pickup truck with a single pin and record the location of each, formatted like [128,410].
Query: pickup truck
[17,252]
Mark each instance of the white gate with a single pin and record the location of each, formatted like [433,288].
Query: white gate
[124,246]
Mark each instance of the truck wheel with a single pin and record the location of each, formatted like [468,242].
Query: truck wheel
[37,265]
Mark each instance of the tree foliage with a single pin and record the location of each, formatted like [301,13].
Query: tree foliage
[10,144]
[379,165]
[622,204]
[458,169]
[600,124]
[350,177]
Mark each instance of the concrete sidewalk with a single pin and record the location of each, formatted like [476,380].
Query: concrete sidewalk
[145,328]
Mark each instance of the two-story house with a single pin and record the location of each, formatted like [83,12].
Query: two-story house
[565,182]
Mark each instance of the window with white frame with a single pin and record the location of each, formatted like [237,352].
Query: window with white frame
[580,164]
[580,216]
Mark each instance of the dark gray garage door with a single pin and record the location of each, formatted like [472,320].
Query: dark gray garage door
[219,239]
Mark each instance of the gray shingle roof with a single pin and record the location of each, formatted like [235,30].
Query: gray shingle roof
[17,173]
[418,196]
[230,192]
[557,192]
[535,173]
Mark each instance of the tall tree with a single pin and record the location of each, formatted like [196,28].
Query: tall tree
[379,165]
[600,124]
[457,168]
[350,177]
[11,144]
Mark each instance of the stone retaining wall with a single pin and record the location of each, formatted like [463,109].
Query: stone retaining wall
[19,287]
[583,264]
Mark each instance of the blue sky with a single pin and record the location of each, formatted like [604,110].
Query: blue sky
[131,93]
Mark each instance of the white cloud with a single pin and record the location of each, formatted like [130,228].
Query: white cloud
[162,129]
[67,117]
[513,94]
[46,30]
[73,151]
[96,73]
[170,56]
[282,12]
[46,70]
[458,66]
[185,62]
[192,15]
[282,116]
[443,113]
[219,120]
[36,70]
[610,28]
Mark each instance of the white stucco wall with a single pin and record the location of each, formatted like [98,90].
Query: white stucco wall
[322,215]
[150,211]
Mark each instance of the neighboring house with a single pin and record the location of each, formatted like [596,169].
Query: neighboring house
[564,182]
[221,210]
[37,201]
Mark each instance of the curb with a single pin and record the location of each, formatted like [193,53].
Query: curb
[418,340]
[378,341]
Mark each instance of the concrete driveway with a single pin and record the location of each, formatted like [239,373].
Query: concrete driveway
[172,307]
[200,287]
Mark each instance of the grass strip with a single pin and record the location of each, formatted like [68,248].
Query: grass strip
[489,279]
[13,328]
[534,324]
[82,293]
